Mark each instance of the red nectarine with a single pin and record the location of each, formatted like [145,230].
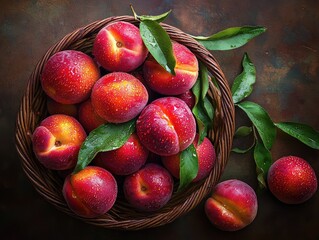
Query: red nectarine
[68,76]
[292,180]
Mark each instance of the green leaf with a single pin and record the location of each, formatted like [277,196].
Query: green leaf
[203,121]
[188,167]
[203,110]
[243,83]
[157,18]
[263,161]
[302,132]
[261,120]
[204,80]
[104,138]
[209,109]
[243,131]
[241,151]
[230,38]
[159,44]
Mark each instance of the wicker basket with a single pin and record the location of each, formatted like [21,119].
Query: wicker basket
[122,216]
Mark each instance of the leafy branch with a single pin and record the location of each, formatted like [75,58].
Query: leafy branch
[266,129]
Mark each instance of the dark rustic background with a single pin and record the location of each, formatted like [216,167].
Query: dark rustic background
[287,62]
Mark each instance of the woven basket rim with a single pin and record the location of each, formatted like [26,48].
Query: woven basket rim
[49,186]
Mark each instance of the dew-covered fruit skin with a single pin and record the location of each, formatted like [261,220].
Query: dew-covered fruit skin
[292,180]
[206,159]
[68,76]
[163,82]
[125,160]
[57,141]
[166,126]
[232,205]
[118,97]
[149,189]
[152,95]
[88,117]
[91,192]
[59,108]
[188,97]
[118,47]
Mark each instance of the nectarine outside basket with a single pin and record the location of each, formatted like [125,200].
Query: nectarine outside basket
[49,184]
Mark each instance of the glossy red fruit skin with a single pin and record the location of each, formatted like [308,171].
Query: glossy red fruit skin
[125,160]
[163,82]
[57,141]
[118,97]
[87,116]
[149,189]
[91,192]
[69,76]
[206,159]
[232,205]
[166,126]
[292,180]
[118,47]
[188,97]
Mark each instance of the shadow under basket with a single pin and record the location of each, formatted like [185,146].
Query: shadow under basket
[122,216]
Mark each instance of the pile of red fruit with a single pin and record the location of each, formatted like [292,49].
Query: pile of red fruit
[118,83]
[133,86]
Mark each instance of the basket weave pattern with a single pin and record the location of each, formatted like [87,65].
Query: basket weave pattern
[122,216]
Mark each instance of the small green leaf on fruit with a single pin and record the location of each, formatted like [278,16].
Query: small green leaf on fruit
[302,132]
[230,38]
[243,83]
[263,162]
[106,137]
[159,44]
[157,18]
[261,120]
[188,167]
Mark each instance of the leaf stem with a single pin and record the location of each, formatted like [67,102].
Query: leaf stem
[134,13]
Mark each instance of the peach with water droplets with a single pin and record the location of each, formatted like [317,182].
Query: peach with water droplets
[188,97]
[232,205]
[118,97]
[166,126]
[90,192]
[118,47]
[59,108]
[292,180]
[68,76]
[125,160]
[206,159]
[88,117]
[163,82]
[149,189]
[57,141]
